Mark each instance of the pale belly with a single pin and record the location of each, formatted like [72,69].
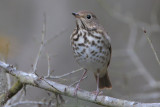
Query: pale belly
[91,55]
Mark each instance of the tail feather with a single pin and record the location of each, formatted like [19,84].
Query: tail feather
[104,81]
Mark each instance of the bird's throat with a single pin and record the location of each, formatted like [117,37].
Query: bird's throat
[80,24]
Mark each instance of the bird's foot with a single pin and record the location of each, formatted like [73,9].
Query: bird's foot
[97,92]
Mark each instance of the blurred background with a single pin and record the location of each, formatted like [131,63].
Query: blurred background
[134,70]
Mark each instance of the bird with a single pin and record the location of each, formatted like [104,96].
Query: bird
[91,47]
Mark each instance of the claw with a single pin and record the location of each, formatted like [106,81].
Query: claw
[97,93]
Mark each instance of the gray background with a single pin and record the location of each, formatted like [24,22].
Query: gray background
[134,71]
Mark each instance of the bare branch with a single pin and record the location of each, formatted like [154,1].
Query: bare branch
[49,71]
[150,42]
[41,46]
[30,102]
[13,91]
[57,77]
[34,80]
[77,81]
[51,39]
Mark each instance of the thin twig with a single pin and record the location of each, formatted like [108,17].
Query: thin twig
[153,49]
[41,46]
[55,36]
[77,81]
[49,71]
[57,77]
[22,95]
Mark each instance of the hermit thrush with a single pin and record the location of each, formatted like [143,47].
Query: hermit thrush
[92,48]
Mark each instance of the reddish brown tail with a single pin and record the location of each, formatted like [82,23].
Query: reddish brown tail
[104,82]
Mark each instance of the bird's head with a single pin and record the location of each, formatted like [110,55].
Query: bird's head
[85,20]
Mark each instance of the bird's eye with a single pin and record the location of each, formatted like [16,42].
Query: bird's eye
[88,16]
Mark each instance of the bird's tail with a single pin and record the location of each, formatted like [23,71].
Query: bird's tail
[104,81]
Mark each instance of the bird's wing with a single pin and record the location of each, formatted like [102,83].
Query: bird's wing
[107,41]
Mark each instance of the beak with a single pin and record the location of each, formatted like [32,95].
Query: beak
[75,14]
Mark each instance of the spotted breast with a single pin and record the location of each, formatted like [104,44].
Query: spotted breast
[90,49]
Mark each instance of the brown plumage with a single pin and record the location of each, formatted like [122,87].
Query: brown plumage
[104,82]
[92,47]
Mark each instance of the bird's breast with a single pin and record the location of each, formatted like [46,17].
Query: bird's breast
[90,50]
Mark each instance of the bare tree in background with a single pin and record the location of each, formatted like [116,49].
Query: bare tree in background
[15,96]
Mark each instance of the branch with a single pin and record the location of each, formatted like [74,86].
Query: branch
[34,80]
[152,47]
[13,91]
[41,46]
[30,102]
[56,77]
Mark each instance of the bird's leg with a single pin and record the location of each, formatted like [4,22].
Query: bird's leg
[77,86]
[97,92]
